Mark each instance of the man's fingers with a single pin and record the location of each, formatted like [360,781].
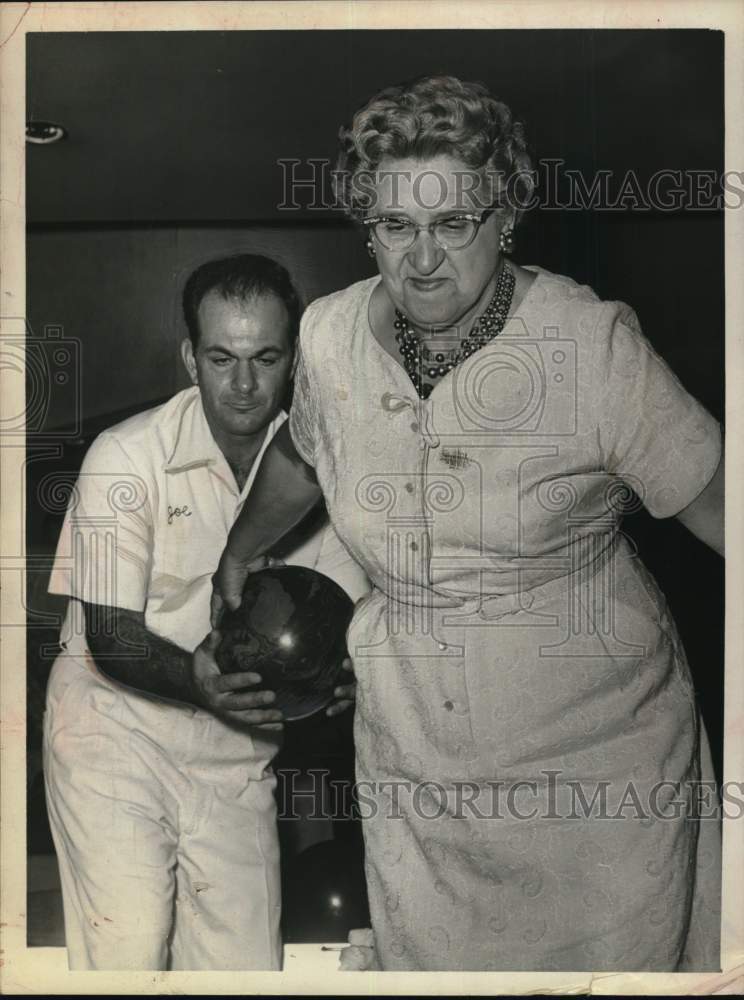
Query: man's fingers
[345,691]
[234,682]
[254,717]
[338,707]
[241,700]
[348,664]
[345,695]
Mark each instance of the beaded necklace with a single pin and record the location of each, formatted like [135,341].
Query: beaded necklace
[485,328]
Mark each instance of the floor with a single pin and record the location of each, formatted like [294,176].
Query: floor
[45,925]
[324,892]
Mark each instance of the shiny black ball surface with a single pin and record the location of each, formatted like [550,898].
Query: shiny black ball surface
[291,629]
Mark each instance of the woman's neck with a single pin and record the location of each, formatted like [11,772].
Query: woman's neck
[381,314]
[460,329]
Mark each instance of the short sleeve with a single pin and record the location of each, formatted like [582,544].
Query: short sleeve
[303,414]
[652,432]
[105,548]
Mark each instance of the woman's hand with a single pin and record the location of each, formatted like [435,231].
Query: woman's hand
[345,694]
[361,955]
[229,580]
[704,517]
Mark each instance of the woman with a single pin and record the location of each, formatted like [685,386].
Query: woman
[526,726]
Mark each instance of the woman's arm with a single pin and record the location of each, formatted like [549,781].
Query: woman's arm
[284,491]
[704,516]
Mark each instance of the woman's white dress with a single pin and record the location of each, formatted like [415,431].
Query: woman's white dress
[528,743]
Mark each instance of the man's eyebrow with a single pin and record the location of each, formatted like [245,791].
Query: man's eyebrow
[269,349]
[217,349]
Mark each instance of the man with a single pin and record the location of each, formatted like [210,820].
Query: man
[161,803]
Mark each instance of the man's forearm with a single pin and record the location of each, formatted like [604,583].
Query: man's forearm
[125,651]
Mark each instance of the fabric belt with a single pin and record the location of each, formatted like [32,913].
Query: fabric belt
[497,605]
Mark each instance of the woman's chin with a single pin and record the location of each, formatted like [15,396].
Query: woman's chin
[431,314]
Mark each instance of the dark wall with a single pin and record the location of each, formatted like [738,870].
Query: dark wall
[188,126]
[173,156]
[116,292]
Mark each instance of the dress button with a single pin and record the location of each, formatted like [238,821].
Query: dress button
[414,547]
[449,706]
[409,487]
[442,645]
[414,427]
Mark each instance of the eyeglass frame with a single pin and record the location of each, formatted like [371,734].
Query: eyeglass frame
[478,219]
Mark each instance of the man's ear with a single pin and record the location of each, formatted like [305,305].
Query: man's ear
[187,356]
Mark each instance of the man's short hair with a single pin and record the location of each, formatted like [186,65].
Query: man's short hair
[241,278]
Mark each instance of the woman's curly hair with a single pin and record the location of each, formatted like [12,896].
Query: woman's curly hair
[434,116]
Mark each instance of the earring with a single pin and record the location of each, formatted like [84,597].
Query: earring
[370,248]
[506,240]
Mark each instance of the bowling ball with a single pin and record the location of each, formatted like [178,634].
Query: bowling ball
[291,629]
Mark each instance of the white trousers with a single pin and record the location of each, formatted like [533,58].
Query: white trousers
[164,822]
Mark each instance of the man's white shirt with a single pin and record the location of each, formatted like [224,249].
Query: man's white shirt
[149,518]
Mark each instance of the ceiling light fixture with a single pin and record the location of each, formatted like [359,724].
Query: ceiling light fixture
[44,133]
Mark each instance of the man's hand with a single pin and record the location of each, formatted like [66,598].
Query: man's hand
[345,694]
[223,694]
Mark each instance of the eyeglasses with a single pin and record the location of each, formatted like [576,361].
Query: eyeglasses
[454,232]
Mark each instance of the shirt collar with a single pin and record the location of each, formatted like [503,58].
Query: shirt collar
[193,443]
[195,446]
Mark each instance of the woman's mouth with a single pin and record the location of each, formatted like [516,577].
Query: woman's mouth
[427,284]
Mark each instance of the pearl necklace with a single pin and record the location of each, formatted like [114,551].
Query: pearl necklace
[485,328]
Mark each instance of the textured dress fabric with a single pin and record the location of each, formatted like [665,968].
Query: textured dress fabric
[527,737]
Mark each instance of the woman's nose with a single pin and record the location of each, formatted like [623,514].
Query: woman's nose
[426,255]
